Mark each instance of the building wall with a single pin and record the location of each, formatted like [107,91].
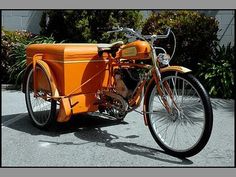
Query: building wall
[22,20]
[226,32]
[29,20]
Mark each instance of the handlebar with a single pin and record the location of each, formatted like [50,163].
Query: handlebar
[154,36]
[115,31]
[148,38]
[128,31]
[143,37]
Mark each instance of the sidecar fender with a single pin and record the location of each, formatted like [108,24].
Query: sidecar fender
[65,108]
[51,76]
[37,60]
[180,69]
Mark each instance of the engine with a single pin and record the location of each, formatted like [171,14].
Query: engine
[116,103]
[126,80]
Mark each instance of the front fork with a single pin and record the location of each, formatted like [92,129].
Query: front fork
[160,89]
[162,86]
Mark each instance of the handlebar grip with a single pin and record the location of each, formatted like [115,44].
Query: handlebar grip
[154,36]
[162,36]
[116,30]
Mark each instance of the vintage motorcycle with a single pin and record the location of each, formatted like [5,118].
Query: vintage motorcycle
[66,79]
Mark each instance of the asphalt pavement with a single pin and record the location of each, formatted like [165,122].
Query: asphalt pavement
[94,141]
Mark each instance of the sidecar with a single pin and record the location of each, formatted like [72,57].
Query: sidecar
[71,74]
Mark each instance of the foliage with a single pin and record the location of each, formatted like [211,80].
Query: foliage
[196,35]
[87,25]
[218,72]
[13,56]
[9,41]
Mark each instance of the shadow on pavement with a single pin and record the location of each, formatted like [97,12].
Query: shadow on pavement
[227,105]
[103,138]
[88,128]
[77,121]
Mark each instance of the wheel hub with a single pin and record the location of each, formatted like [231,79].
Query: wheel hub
[176,114]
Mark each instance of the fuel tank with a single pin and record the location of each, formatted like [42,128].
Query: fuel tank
[137,50]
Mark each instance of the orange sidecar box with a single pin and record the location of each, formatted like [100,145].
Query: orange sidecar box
[78,71]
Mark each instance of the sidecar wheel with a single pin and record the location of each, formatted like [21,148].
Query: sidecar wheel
[186,130]
[41,108]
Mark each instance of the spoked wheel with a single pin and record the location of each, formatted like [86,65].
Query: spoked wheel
[41,108]
[185,130]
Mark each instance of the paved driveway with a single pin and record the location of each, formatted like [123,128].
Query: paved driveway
[96,141]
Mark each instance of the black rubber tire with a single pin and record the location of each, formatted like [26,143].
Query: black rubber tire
[208,117]
[52,118]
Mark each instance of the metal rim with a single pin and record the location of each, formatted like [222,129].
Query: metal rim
[39,108]
[182,129]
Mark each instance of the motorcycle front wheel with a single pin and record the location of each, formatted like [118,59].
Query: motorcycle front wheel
[185,130]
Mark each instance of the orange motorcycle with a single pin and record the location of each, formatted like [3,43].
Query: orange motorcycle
[66,79]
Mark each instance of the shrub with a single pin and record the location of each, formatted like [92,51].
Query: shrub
[9,41]
[13,55]
[87,25]
[218,72]
[196,35]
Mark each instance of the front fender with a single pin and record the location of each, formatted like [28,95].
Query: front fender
[180,69]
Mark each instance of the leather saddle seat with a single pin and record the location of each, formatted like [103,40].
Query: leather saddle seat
[110,48]
[115,44]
